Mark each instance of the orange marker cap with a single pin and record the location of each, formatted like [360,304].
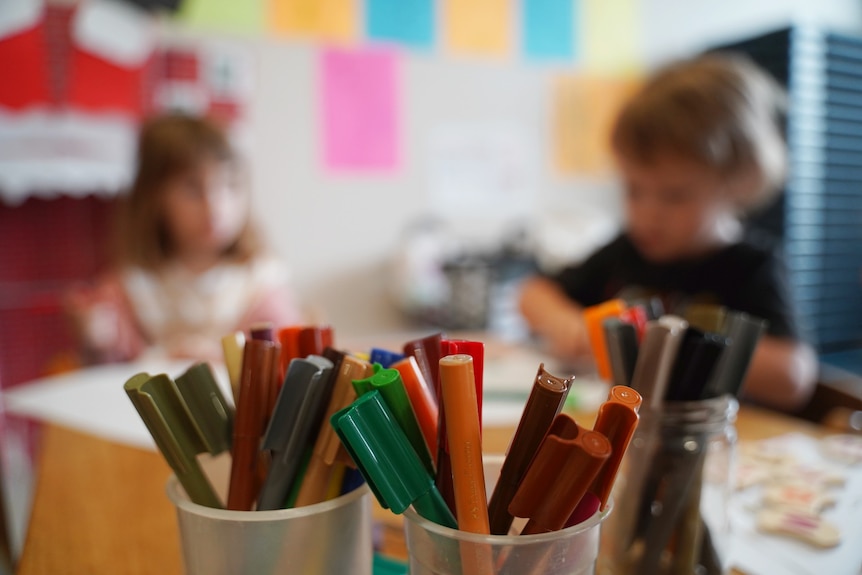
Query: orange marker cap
[594,318]
[421,398]
[617,420]
[288,337]
[458,388]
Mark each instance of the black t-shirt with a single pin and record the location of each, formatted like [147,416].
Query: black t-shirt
[747,276]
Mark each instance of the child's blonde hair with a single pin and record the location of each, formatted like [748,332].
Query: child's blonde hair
[720,111]
[169,146]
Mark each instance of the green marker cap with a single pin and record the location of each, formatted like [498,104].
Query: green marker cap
[386,459]
[388,382]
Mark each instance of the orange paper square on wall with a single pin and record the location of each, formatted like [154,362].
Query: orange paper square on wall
[584,110]
[478,26]
[324,19]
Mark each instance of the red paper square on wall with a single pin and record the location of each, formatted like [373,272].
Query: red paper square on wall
[179,65]
[98,85]
[24,69]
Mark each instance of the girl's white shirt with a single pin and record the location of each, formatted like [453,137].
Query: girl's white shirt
[174,304]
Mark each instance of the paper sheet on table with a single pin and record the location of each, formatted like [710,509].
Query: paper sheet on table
[93,400]
[760,554]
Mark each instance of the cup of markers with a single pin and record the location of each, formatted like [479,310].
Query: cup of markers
[266,487]
[316,431]
[437,549]
[330,537]
[672,511]
[548,496]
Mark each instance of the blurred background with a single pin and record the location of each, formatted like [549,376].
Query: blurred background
[410,159]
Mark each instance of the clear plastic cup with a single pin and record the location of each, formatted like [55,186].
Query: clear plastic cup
[330,538]
[437,550]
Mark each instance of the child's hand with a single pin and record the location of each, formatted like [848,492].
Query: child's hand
[555,318]
[198,348]
[93,316]
[566,335]
[102,323]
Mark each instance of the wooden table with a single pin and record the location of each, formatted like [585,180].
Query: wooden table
[100,507]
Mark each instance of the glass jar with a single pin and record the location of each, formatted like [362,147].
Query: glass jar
[673,493]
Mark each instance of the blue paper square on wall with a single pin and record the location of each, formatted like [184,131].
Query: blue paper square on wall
[409,22]
[548,29]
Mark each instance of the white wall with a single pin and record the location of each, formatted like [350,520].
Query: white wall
[674,27]
[339,231]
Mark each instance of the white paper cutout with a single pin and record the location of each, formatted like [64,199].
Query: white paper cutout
[228,71]
[19,15]
[116,31]
[476,168]
[45,153]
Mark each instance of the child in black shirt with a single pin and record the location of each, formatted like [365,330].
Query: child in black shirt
[697,146]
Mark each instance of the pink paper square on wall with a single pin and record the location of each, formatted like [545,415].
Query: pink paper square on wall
[360,109]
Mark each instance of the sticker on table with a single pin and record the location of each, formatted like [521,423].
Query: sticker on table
[804,517]
[810,529]
[844,448]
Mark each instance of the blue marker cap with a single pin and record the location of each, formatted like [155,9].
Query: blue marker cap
[384,357]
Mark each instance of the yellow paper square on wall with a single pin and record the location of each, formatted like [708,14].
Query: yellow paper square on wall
[611,35]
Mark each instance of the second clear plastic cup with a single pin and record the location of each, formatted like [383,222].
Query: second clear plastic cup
[437,550]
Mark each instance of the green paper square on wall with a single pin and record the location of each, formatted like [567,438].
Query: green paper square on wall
[235,16]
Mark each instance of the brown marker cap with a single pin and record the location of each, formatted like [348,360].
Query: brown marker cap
[545,402]
[249,423]
[328,446]
[565,465]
